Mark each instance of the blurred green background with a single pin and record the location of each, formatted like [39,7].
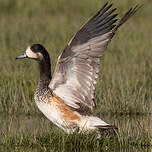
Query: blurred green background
[125,83]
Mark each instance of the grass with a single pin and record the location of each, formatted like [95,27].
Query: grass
[123,93]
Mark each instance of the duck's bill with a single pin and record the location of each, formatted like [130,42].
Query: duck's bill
[22,56]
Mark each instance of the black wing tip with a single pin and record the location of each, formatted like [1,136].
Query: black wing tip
[128,15]
[132,11]
[135,9]
[108,127]
[107,4]
[138,6]
[106,7]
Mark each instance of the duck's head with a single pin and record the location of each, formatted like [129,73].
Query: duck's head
[37,52]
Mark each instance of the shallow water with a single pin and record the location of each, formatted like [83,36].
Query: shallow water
[135,128]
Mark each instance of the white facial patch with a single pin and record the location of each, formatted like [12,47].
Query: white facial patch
[30,53]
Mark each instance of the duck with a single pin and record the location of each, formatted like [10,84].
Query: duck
[67,98]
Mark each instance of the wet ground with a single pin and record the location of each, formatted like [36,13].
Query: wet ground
[134,128]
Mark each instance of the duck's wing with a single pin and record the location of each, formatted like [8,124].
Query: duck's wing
[78,66]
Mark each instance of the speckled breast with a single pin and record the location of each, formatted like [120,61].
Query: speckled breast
[55,109]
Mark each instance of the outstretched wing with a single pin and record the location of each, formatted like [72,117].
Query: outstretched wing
[77,67]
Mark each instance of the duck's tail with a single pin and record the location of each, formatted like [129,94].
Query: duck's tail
[90,123]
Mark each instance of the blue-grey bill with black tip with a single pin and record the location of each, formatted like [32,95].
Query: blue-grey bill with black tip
[22,56]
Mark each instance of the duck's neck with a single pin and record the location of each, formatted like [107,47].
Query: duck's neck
[45,74]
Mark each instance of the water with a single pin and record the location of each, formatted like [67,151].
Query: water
[135,128]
